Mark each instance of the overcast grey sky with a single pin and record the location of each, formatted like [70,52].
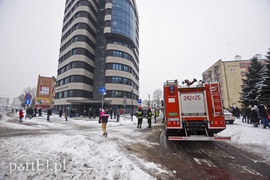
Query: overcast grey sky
[179,39]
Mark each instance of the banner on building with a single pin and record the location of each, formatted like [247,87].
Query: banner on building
[44,90]
[42,100]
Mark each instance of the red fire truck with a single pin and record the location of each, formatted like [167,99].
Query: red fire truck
[193,112]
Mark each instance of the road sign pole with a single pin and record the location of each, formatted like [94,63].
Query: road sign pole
[102,91]
[102,101]
[124,113]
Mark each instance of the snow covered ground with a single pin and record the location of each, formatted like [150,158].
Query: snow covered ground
[76,149]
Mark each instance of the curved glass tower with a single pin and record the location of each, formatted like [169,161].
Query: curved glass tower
[99,49]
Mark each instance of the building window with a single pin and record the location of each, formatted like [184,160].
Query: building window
[123,19]
[242,65]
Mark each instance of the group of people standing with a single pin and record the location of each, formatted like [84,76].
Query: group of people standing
[104,115]
[66,113]
[148,115]
[256,115]
[29,113]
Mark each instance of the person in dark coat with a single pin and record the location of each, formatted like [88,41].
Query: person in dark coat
[39,112]
[49,113]
[244,118]
[111,113]
[114,114]
[254,117]
[60,112]
[66,114]
[248,113]
[35,112]
[84,113]
[236,112]
[139,115]
[149,117]
[264,115]
[117,115]
[90,112]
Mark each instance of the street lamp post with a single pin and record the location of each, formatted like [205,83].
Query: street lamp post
[132,104]
[149,100]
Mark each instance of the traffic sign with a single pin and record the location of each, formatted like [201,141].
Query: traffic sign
[102,90]
[139,101]
[28,96]
[27,101]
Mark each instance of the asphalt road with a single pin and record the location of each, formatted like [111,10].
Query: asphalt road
[213,160]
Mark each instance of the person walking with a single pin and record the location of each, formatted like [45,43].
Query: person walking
[49,113]
[254,116]
[114,114]
[237,113]
[60,112]
[264,116]
[111,113]
[139,115]
[90,112]
[21,115]
[156,114]
[30,112]
[248,113]
[84,112]
[244,118]
[35,112]
[117,115]
[149,117]
[40,111]
[104,114]
[66,114]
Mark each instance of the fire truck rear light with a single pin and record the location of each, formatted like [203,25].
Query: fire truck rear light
[172,123]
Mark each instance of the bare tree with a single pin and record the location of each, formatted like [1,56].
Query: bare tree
[157,95]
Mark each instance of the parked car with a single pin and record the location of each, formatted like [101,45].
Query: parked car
[229,118]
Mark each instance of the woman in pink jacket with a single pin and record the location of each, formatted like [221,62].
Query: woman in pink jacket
[104,120]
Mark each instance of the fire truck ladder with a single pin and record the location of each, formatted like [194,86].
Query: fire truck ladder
[216,102]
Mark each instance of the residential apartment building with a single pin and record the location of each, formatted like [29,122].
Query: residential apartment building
[45,93]
[230,75]
[99,50]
